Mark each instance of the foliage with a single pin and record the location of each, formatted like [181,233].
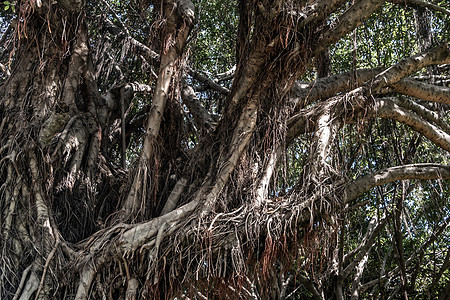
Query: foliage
[292,234]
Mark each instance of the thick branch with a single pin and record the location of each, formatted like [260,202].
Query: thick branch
[351,19]
[424,91]
[423,112]
[202,117]
[429,5]
[174,196]
[319,10]
[414,171]
[438,55]
[386,108]
[176,40]
[303,93]
[298,124]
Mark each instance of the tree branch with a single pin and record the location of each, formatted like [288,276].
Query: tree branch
[424,91]
[319,10]
[423,112]
[352,18]
[387,109]
[215,86]
[438,55]
[175,43]
[202,117]
[431,238]
[303,93]
[142,49]
[414,171]
[375,227]
[429,5]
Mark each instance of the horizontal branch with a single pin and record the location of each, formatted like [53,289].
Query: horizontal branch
[424,91]
[413,171]
[420,3]
[304,93]
[211,83]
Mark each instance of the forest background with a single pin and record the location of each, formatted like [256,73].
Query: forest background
[228,149]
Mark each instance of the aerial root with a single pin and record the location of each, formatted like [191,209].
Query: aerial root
[27,286]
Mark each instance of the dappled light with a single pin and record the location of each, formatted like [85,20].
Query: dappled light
[224,149]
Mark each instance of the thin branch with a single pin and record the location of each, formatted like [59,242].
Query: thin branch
[142,49]
[429,5]
[445,266]
[431,238]
[124,28]
[375,227]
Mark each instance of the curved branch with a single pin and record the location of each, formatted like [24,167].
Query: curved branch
[387,109]
[413,171]
[351,19]
[438,55]
[429,5]
[423,112]
[304,93]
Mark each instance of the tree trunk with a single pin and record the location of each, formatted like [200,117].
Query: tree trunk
[75,225]
[50,136]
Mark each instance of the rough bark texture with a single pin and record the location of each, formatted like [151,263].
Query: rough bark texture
[181,220]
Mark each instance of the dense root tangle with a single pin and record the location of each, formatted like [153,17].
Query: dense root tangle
[118,179]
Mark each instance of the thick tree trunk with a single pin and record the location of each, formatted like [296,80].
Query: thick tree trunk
[67,233]
[50,137]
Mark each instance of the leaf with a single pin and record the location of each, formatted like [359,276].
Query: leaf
[6,7]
